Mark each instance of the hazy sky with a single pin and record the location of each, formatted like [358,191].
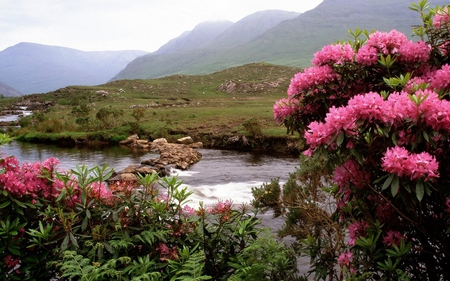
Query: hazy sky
[99,25]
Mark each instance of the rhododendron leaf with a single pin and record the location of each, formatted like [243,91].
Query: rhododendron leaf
[395,186]
[65,243]
[425,136]
[419,190]
[84,223]
[4,204]
[388,181]
[340,138]
[73,240]
[61,195]
[14,250]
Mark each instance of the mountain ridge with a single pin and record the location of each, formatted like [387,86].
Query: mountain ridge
[291,42]
[33,68]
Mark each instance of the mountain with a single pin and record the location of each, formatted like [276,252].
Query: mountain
[8,91]
[291,42]
[241,32]
[34,68]
[201,35]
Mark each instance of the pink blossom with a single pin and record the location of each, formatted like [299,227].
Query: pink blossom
[387,43]
[345,259]
[392,238]
[441,78]
[370,106]
[414,52]
[356,230]
[441,19]
[334,54]
[188,210]
[399,161]
[350,172]
[318,134]
[367,55]
[285,108]
[310,79]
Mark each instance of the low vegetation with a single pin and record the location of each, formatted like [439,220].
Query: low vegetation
[235,101]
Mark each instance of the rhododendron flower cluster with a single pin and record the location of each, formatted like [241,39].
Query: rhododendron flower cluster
[356,230]
[399,161]
[393,238]
[442,19]
[334,54]
[311,79]
[284,108]
[29,179]
[345,259]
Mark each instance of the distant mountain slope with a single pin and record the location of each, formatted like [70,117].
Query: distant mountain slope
[201,35]
[249,28]
[291,42]
[8,91]
[237,34]
[35,68]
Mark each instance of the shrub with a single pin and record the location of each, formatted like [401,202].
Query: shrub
[72,225]
[375,109]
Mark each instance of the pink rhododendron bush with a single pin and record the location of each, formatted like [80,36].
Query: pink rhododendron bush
[376,109]
[72,225]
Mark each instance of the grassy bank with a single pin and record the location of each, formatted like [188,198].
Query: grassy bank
[229,109]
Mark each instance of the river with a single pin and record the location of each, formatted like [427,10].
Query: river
[220,174]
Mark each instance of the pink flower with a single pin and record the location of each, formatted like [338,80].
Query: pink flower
[367,55]
[399,161]
[311,79]
[441,19]
[345,259]
[387,43]
[414,52]
[441,79]
[350,172]
[392,238]
[285,108]
[188,210]
[334,54]
[356,230]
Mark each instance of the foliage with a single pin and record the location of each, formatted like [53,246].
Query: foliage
[109,117]
[374,110]
[71,225]
[253,127]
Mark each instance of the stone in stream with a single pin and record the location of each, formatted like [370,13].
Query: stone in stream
[177,155]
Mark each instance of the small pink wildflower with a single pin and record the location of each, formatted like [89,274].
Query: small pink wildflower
[345,259]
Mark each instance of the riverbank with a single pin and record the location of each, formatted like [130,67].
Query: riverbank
[283,145]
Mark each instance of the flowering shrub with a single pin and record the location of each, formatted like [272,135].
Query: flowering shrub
[377,110]
[71,225]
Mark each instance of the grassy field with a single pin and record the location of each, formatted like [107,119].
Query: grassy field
[235,101]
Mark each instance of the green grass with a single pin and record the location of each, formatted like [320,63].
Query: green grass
[177,105]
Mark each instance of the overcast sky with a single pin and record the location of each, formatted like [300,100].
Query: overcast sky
[99,25]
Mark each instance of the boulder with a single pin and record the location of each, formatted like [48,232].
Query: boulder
[185,140]
[179,155]
[175,155]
